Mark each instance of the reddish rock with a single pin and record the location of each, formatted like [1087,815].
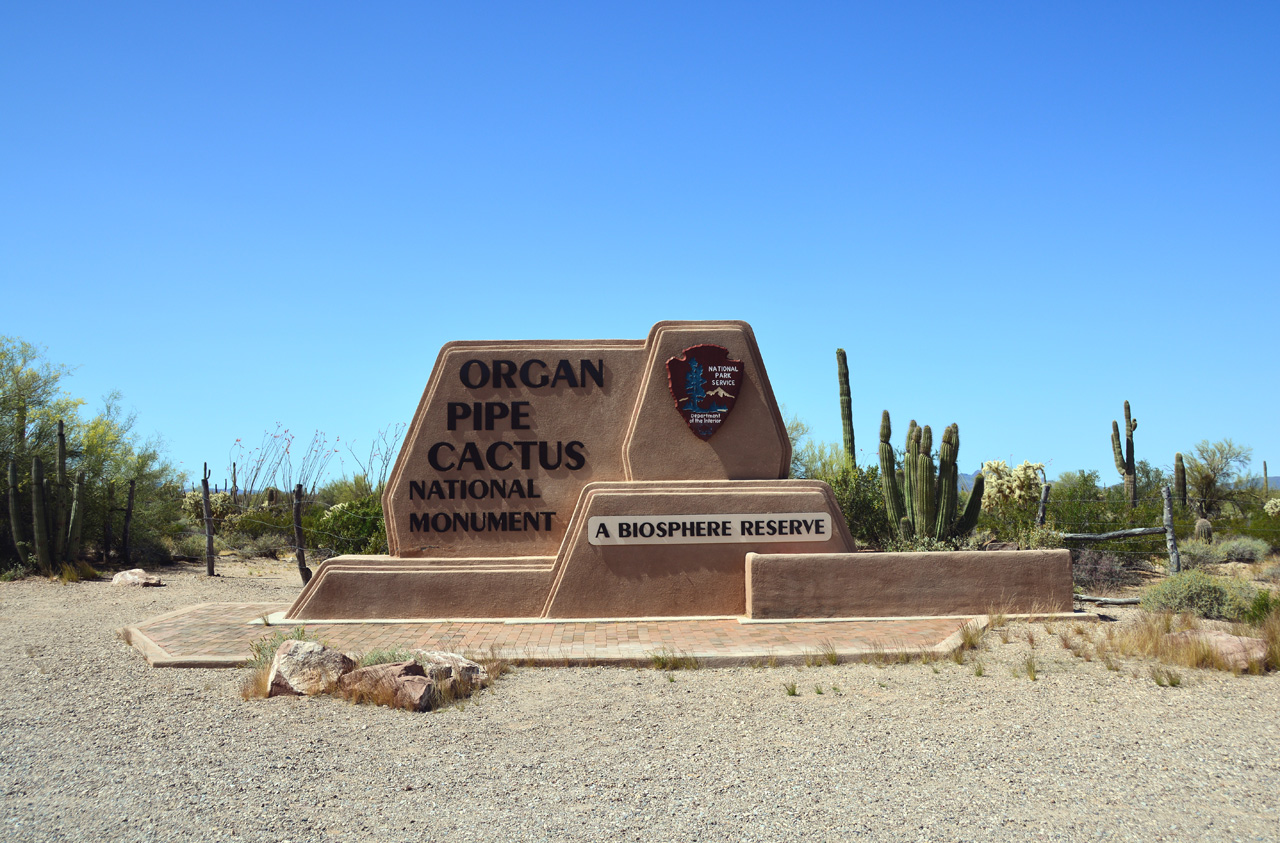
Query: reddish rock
[1235,651]
[306,667]
[136,577]
[398,684]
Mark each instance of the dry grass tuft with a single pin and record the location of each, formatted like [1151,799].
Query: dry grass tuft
[668,659]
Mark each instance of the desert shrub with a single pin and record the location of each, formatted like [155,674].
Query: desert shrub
[1197,552]
[1244,550]
[267,545]
[260,521]
[1203,595]
[1095,569]
[1264,604]
[220,506]
[351,527]
[191,544]
[857,489]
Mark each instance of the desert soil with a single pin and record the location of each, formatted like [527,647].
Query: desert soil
[95,745]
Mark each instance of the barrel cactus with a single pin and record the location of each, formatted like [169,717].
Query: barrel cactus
[923,500]
[1204,530]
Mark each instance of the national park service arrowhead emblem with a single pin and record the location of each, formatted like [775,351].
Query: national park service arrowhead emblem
[705,384]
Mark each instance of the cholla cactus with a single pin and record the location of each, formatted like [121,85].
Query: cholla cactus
[1272,507]
[1011,489]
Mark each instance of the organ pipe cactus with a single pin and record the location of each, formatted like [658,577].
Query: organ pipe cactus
[1124,460]
[923,499]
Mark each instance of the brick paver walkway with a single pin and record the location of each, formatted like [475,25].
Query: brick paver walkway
[219,635]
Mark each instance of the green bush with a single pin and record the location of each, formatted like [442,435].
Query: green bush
[351,527]
[857,490]
[1244,550]
[259,522]
[1205,596]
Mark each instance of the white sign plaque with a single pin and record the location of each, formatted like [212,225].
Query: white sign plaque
[748,528]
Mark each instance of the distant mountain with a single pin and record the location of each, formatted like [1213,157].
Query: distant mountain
[966,480]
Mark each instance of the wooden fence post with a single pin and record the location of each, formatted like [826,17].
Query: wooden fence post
[1170,540]
[208,523]
[298,544]
[1044,502]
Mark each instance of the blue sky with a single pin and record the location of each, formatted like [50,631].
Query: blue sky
[1012,216]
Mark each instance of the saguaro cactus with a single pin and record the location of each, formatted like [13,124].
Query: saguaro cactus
[1124,461]
[15,513]
[60,499]
[76,526]
[1180,480]
[922,500]
[846,407]
[40,522]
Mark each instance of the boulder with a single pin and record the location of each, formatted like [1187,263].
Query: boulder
[441,667]
[306,667]
[1236,651]
[398,684]
[136,577]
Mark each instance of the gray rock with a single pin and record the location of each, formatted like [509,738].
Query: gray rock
[306,667]
[442,666]
[136,577]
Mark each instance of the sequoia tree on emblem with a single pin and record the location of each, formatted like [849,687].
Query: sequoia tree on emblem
[705,385]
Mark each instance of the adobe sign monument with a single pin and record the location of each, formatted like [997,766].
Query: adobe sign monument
[599,478]
[632,479]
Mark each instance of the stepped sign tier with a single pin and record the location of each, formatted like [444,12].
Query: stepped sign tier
[631,479]
[508,433]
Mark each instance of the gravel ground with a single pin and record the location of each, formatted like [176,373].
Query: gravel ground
[95,745]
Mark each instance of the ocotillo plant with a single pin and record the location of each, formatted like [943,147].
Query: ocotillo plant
[1124,461]
[1180,480]
[923,500]
[846,407]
